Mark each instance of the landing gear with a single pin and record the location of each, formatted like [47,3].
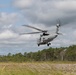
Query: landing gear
[48,44]
[38,44]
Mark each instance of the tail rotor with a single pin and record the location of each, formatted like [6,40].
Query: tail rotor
[58,25]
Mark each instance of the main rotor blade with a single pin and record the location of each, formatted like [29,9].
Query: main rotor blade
[30,33]
[35,28]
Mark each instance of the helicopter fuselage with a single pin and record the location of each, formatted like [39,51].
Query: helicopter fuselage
[46,39]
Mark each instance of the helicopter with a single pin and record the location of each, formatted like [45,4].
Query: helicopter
[45,37]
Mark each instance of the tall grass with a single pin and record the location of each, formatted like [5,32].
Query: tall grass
[36,68]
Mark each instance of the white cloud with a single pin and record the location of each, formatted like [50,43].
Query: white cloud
[9,37]
[8,18]
[69,5]
[47,11]
[74,34]
[7,34]
[22,3]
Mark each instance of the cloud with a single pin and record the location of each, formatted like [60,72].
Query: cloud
[47,12]
[22,4]
[8,18]
[66,5]
[9,37]
[7,34]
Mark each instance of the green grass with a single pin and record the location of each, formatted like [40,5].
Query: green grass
[37,68]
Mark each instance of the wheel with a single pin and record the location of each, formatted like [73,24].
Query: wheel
[48,44]
[38,44]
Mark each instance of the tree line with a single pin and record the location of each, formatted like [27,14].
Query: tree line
[50,54]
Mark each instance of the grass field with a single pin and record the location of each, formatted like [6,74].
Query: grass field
[37,68]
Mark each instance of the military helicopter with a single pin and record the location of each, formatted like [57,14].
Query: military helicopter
[45,37]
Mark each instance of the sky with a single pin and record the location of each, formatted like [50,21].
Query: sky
[39,13]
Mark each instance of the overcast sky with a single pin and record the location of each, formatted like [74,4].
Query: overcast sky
[39,13]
